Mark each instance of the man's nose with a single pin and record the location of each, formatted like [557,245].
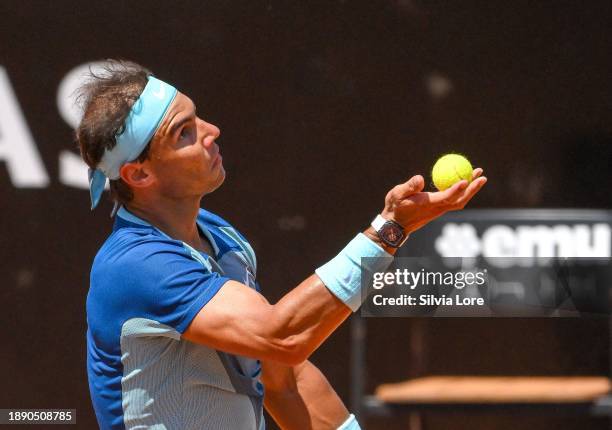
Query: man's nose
[211,132]
[213,129]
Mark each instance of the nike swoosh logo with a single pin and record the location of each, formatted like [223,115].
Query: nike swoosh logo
[161,92]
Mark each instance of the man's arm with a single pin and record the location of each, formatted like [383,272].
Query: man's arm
[240,321]
[299,397]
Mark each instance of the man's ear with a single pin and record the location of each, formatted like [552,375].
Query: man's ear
[136,175]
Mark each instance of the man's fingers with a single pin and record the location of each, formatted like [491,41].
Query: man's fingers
[415,185]
[411,186]
[476,173]
[460,193]
[449,195]
[471,190]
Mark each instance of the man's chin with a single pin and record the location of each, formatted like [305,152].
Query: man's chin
[219,181]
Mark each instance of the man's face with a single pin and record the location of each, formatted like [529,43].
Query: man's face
[184,158]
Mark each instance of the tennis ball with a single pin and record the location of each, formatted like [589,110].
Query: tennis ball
[450,169]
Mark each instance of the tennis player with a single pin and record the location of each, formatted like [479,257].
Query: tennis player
[179,335]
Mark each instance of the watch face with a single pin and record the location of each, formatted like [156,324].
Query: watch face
[391,234]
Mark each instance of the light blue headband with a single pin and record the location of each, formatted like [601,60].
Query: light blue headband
[140,126]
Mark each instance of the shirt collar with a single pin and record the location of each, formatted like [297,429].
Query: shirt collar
[128,216]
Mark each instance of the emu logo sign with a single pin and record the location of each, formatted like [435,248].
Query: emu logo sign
[18,150]
[500,244]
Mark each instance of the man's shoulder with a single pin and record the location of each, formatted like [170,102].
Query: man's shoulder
[133,246]
[134,264]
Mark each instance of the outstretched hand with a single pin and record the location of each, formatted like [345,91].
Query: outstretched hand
[412,208]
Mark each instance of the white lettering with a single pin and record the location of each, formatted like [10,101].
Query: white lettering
[544,241]
[592,242]
[499,242]
[504,246]
[73,170]
[17,147]
[469,301]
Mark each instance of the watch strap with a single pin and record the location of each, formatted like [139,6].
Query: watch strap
[378,222]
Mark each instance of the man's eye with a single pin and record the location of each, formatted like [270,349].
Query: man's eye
[185,132]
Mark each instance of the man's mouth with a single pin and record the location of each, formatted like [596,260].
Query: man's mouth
[217,159]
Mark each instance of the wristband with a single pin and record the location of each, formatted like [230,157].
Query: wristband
[350,424]
[343,274]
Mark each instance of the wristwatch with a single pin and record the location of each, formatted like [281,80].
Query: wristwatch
[389,231]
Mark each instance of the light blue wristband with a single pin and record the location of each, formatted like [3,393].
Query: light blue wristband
[350,424]
[343,274]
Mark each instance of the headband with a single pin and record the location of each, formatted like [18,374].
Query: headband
[139,128]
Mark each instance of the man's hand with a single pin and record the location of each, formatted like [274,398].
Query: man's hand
[412,208]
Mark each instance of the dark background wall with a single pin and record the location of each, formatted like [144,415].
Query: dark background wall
[323,106]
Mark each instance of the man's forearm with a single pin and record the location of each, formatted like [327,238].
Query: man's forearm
[300,397]
[307,315]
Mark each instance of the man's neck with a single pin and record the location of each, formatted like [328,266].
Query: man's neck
[175,218]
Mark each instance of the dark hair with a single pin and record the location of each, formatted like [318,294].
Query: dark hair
[106,99]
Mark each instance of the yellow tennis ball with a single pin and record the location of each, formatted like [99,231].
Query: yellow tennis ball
[450,169]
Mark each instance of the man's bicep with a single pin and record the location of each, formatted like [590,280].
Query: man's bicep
[240,321]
